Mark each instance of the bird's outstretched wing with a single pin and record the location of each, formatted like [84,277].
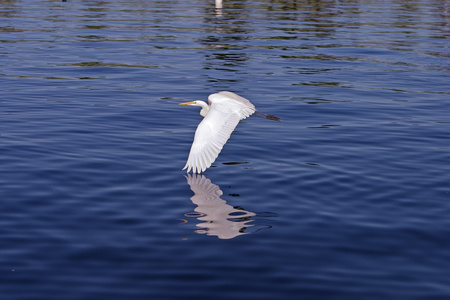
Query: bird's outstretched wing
[226,110]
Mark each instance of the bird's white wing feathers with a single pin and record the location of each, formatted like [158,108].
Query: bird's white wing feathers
[246,106]
[226,110]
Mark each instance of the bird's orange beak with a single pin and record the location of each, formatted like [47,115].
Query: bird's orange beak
[187,103]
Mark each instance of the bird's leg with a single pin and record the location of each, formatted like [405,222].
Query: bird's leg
[266,116]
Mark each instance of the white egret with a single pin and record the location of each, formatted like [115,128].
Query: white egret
[221,116]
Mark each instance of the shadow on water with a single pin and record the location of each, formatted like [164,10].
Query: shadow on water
[216,217]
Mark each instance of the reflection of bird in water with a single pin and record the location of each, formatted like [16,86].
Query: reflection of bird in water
[219,218]
[221,116]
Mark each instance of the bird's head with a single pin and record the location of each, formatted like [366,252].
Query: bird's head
[202,104]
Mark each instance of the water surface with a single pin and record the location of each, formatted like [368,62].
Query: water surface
[347,198]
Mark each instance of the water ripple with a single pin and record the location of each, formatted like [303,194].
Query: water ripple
[346,198]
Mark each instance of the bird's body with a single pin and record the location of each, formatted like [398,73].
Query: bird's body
[221,116]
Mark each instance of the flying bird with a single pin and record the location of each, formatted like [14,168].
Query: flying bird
[221,116]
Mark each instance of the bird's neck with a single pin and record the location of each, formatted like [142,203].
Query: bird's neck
[205,109]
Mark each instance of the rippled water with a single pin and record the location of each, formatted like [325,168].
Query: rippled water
[347,198]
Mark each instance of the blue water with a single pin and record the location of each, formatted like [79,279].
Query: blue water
[348,197]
